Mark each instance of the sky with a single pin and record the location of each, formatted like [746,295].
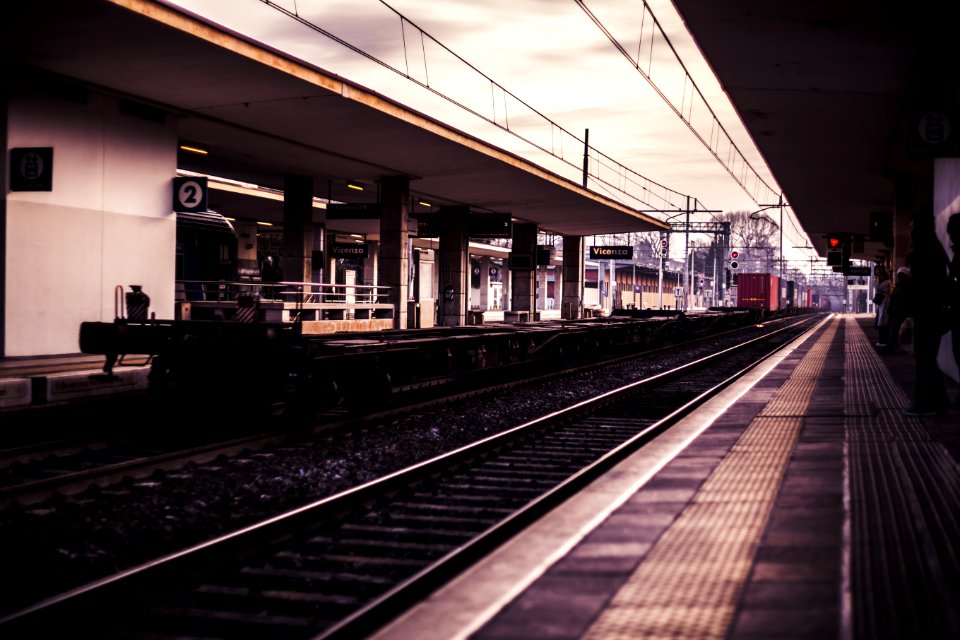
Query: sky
[548,54]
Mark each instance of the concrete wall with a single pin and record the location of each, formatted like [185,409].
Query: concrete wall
[107,221]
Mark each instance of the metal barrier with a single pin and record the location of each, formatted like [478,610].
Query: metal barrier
[285,301]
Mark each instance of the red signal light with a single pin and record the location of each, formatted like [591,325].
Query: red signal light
[734,254]
[833,241]
[663,243]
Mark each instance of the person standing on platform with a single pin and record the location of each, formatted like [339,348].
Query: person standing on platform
[270,275]
[881,298]
[928,273]
[901,308]
[953,230]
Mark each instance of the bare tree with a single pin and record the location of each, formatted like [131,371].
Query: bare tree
[754,235]
[646,247]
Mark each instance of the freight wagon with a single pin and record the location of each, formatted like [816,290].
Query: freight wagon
[758,291]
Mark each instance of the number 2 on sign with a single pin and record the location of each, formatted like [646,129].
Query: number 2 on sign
[189,193]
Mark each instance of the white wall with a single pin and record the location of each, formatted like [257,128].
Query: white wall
[108,220]
[946,202]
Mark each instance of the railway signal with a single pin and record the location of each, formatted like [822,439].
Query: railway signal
[834,253]
[734,259]
[838,250]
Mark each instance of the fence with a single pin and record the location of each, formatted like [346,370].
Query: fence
[282,301]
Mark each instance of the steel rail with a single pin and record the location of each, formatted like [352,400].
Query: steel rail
[140,466]
[230,545]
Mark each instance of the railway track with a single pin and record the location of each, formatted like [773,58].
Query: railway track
[345,564]
[35,472]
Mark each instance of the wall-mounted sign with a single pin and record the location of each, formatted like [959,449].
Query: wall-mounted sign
[611,253]
[31,169]
[935,132]
[342,250]
[490,225]
[354,211]
[189,195]
[428,226]
[479,225]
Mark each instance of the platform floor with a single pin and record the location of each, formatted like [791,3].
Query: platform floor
[800,503]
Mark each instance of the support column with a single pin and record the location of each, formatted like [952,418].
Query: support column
[571,302]
[297,228]
[542,272]
[371,264]
[484,300]
[505,292]
[453,264]
[394,259]
[317,260]
[523,268]
[331,262]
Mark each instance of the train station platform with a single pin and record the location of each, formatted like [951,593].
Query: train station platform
[802,502]
[43,380]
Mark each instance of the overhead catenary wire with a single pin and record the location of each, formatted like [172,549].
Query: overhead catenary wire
[679,110]
[664,195]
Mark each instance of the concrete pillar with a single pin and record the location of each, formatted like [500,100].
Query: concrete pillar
[371,264]
[542,272]
[505,292]
[318,264]
[4,131]
[522,268]
[484,297]
[571,301]
[297,228]
[394,249]
[453,264]
[331,261]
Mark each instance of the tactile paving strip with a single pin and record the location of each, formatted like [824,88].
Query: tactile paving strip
[904,512]
[689,584]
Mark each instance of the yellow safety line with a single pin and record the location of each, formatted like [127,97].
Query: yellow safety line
[689,584]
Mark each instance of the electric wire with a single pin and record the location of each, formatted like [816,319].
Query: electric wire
[669,197]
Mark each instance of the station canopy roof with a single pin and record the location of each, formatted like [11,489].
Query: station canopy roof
[262,115]
[833,94]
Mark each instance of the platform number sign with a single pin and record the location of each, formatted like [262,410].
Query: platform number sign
[189,195]
[31,169]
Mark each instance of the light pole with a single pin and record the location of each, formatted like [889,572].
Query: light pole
[780,205]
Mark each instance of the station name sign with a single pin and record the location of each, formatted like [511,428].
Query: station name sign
[611,253]
[341,250]
[354,211]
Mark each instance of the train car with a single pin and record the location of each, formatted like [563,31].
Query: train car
[758,291]
[788,293]
[206,252]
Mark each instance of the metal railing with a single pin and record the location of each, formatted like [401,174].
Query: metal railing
[298,293]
